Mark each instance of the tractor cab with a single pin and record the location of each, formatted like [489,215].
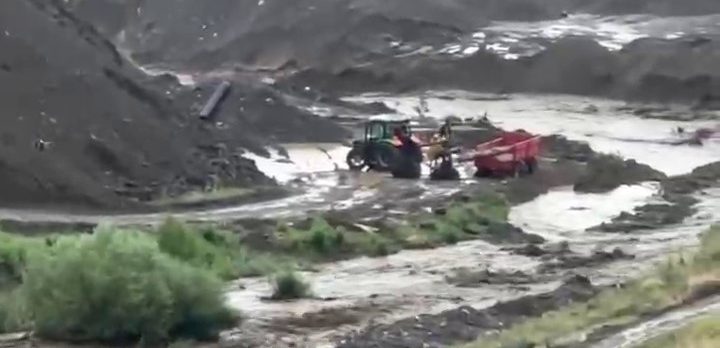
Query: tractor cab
[378,148]
[378,130]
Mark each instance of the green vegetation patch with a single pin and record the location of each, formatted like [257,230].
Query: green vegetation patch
[702,333]
[322,239]
[215,250]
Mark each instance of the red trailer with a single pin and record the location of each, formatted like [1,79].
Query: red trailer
[512,153]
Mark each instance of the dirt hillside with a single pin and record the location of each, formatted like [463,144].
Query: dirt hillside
[83,127]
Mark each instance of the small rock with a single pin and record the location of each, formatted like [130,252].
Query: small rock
[427,225]
[440,211]
[531,250]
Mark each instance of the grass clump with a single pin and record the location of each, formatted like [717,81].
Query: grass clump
[320,239]
[465,220]
[702,333]
[218,251]
[673,283]
[289,285]
[118,286]
[207,249]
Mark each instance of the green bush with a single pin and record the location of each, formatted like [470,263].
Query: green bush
[379,247]
[117,286]
[289,285]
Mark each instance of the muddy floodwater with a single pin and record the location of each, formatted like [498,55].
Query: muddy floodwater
[351,294]
[415,282]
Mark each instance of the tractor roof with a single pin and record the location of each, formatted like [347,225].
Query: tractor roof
[390,118]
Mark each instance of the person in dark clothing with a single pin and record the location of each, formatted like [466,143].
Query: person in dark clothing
[408,145]
[408,164]
[446,130]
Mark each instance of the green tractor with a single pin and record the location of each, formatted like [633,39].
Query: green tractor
[380,151]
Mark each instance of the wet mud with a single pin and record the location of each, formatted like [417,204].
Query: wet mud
[678,203]
[605,173]
[466,323]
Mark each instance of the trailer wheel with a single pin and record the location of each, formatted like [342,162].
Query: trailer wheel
[517,170]
[532,165]
[483,173]
[521,168]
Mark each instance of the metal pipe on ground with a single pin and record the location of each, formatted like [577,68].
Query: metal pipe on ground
[216,98]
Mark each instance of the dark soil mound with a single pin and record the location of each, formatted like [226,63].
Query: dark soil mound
[606,172]
[365,45]
[677,191]
[322,33]
[276,33]
[84,127]
[683,70]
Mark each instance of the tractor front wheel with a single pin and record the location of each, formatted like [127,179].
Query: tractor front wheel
[356,159]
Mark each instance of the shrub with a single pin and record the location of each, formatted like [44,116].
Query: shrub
[289,285]
[379,247]
[320,239]
[117,286]
[446,233]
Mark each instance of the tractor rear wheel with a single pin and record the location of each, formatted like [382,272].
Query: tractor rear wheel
[385,157]
[408,163]
[407,167]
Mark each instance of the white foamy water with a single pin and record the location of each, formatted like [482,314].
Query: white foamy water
[563,213]
[515,39]
[302,159]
